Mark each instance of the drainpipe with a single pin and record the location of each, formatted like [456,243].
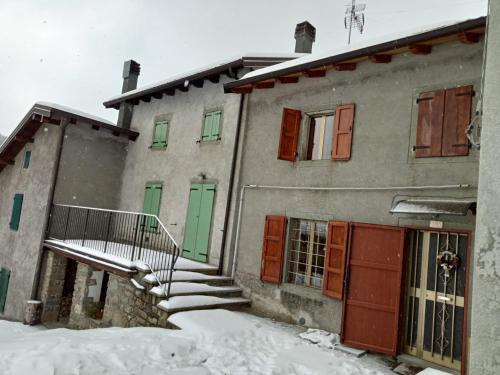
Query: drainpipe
[320,188]
[230,188]
[50,201]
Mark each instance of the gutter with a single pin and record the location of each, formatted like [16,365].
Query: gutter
[50,201]
[367,51]
[319,188]
[230,188]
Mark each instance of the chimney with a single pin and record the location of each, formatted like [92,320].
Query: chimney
[131,71]
[305,35]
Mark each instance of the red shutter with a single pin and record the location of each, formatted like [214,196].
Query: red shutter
[342,134]
[273,249]
[289,139]
[333,279]
[457,116]
[430,124]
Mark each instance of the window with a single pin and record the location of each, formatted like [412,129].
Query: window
[152,198]
[307,249]
[320,137]
[211,126]
[327,136]
[16,211]
[27,159]
[4,284]
[443,118]
[160,134]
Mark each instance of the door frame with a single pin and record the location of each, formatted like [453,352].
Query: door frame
[468,232]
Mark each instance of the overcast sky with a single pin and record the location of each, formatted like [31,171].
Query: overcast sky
[71,52]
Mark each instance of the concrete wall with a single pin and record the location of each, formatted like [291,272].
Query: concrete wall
[384,133]
[91,166]
[19,249]
[485,335]
[183,160]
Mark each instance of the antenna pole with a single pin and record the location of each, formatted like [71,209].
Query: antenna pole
[352,20]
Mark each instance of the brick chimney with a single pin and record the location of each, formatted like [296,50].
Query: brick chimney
[305,35]
[131,71]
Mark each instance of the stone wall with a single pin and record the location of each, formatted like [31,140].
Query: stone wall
[52,284]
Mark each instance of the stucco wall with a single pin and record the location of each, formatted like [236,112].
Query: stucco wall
[183,160]
[485,335]
[19,249]
[384,133]
[91,166]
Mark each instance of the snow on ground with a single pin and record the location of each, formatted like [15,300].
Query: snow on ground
[209,342]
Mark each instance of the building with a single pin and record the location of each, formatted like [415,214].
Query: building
[50,158]
[358,188]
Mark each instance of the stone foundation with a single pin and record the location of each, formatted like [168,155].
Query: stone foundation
[51,286]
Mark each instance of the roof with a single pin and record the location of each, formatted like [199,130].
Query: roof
[50,113]
[434,206]
[418,41]
[197,76]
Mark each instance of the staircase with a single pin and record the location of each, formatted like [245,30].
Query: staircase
[193,286]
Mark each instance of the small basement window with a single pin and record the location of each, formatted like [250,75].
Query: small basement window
[320,137]
[307,250]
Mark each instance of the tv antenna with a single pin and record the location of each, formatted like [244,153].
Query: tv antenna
[354,17]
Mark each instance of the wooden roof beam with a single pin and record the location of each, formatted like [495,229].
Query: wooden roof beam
[18,138]
[420,49]
[214,79]
[380,59]
[146,98]
[183,88]
[288,79]
[315,73]
[469,38]
[264,85]
[344,67]
[242,90]
[53,121]
[198,83]
[4,162]
[157,95]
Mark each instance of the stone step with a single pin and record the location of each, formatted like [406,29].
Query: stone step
[182,264]
[187,276]
[187,288]
[200,302]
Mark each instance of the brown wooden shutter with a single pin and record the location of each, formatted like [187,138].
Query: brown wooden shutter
[430,123]
[342,133]
[273,249]
[333,279]
[457,116]
[289,139]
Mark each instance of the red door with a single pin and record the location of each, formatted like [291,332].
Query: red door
[371,313]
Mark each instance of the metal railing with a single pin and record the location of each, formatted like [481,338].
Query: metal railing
[130,239]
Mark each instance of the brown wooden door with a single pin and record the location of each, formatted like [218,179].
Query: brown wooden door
[371,313]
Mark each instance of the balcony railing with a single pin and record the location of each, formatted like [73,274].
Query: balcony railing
[130,239]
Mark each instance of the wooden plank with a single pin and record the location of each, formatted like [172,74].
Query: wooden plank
[288,79]
[242,90]
[469,37]
[315,73]
[265,85]
[344,67]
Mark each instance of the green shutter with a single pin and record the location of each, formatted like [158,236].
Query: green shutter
[211,126]
[160,137]
[189,248]
[216,124]
[27,159]
[16,212]
[199,222]
[152,199]
[4,284]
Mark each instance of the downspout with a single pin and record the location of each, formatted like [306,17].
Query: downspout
[230,188]
[320,188]
[50,201]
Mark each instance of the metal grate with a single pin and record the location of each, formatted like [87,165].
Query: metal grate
[307,253]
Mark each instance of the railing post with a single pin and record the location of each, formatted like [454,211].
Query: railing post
[51,221]
[107,231]
[85,229]
[67,223]
[143,229]
[135,235]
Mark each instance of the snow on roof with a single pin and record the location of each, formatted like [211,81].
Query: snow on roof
[358,46]
[201,70]
[73,111]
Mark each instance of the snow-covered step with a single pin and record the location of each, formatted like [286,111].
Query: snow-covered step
[185,276]
[186,288]
[199,302]
[182,264]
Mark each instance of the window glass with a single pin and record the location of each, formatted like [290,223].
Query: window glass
[319,143]
[307,253]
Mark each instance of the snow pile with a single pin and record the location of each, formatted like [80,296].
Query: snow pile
[209,342]
[321,338]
